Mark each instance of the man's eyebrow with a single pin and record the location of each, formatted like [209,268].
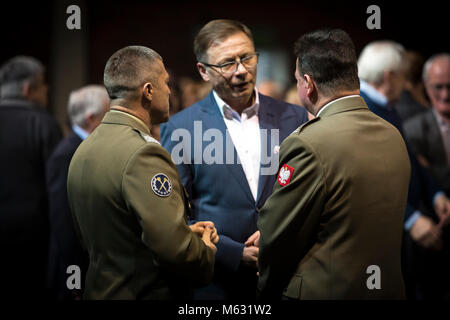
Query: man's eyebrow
[233,59]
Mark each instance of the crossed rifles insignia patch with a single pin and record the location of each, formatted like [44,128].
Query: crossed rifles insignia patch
[161,185]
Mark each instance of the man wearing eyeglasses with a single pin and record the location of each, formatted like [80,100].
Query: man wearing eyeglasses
[233,122]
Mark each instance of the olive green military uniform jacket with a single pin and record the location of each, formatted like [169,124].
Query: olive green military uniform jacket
[130,209]
[332,228]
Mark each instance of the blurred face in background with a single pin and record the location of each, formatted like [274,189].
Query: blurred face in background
[235,83]
[37,91]
[395,85]
[438,86]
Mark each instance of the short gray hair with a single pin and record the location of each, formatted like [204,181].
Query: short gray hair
[427,65]
[17,72]
[126,70]
[378,57]
[90,99]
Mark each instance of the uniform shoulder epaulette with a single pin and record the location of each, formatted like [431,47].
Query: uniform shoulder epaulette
[146,137]
[299,129]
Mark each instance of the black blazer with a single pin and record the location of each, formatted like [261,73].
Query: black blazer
[64,247]
[28,134]
[425,138]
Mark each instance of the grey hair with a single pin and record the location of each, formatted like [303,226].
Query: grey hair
[17,72]
[378,57]
[86,100]
[427,65]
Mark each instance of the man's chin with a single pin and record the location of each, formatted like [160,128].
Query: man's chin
[160,118]
[247,93]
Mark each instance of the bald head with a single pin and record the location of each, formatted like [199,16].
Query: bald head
[436,76]
[436,64]
[128,68]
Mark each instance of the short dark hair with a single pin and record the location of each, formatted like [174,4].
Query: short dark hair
[217,30]
[329,57]
[17,71]
[124,71]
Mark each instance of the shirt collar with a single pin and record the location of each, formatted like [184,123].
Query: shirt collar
[338,99]
[83,134]
[228,113]
[373,94]
[441,122]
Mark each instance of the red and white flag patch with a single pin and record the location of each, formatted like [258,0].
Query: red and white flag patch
[285,175]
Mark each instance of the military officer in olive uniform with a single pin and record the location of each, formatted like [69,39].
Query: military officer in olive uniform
[127,200]
[332,228]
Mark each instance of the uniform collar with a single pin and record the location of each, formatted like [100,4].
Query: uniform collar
[334,101]
[347,103]
[121,117]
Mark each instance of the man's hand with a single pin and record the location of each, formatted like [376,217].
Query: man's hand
[250,256]
[207,234]
[442,208]
[200,227]
[426,233]
[423,161]
[253,240]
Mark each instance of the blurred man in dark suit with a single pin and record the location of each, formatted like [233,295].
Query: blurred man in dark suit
[381,70]
[28,134]
[86,108]
[429,133]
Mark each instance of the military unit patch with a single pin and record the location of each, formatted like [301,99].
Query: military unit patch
[161,185]
[285,175]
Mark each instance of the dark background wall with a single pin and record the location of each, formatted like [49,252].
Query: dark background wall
[77,57]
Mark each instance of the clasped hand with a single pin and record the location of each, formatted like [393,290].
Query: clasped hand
[208,232]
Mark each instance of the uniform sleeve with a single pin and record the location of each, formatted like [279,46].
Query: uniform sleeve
[289,220]
[153,192]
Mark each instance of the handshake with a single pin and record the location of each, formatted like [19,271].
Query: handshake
[208,232]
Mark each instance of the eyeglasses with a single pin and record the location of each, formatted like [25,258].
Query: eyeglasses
[228,68]
[440,86]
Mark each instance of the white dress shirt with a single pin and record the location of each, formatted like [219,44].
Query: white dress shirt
[245,134]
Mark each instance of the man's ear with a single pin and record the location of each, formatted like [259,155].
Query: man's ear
[388,76]
[147,91]
[202,70]
[26,90]
[309,85]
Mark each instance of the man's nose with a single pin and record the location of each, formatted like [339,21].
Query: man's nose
[445,95]
[240,69]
